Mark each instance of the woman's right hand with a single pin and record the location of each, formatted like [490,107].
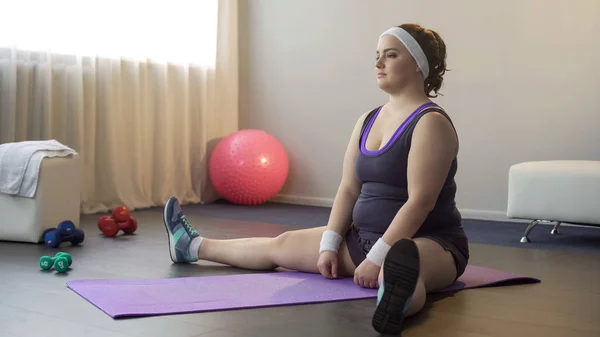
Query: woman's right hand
[328,264]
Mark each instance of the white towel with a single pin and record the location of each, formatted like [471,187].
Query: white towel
[20,164]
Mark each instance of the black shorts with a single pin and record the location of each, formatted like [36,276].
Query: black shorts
[453,240]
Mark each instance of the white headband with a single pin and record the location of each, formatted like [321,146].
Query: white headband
[413,47]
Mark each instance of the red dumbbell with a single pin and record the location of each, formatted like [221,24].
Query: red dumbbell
[110,227]
[121,213]
[129,226]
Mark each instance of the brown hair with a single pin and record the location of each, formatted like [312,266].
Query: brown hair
[435,50]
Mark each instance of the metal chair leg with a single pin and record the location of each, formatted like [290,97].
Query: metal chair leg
[554,230]
[525,239]
[532,224]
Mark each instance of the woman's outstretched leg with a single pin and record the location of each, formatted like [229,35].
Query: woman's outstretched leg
[295,250]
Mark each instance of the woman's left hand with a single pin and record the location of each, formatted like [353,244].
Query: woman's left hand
[367,274]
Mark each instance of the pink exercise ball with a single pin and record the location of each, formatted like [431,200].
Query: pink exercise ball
[248,167]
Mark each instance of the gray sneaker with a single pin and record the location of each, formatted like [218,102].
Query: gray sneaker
[180,232]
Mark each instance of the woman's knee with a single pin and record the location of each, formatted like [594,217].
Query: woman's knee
[287,243]
[297,249]
[437,267]
[298,239]
[281,239]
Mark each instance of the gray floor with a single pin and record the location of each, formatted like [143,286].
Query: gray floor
[37,303]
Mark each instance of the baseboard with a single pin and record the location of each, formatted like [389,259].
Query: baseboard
[477,214]
[328,202]
[305,201]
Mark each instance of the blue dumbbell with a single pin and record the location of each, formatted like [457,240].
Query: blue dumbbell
[64,232]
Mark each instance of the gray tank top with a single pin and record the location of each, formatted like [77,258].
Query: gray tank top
[383,174]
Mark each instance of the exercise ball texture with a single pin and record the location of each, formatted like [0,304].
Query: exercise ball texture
[248,167]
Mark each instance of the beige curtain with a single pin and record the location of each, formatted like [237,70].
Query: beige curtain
[143,129]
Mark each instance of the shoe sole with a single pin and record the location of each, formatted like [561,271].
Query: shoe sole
[166,223]
[400,276]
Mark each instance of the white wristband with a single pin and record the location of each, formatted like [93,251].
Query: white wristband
[378,252]
[330,241]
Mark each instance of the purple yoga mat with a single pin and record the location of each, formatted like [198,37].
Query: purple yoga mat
[129,298]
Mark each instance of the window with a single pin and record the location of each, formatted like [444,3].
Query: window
[178,31]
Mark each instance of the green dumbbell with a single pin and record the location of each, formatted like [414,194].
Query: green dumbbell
[61,262]
[66,255]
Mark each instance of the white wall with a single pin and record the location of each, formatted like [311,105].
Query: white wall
[523,84]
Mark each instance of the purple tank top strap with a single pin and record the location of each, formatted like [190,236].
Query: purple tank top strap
[368,123]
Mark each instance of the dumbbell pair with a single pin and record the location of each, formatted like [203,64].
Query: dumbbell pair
[61,262]
[120,219]
[64,232]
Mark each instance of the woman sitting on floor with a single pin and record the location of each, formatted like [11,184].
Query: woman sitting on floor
[394,222]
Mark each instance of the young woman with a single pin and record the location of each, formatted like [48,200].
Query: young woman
[394,222]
